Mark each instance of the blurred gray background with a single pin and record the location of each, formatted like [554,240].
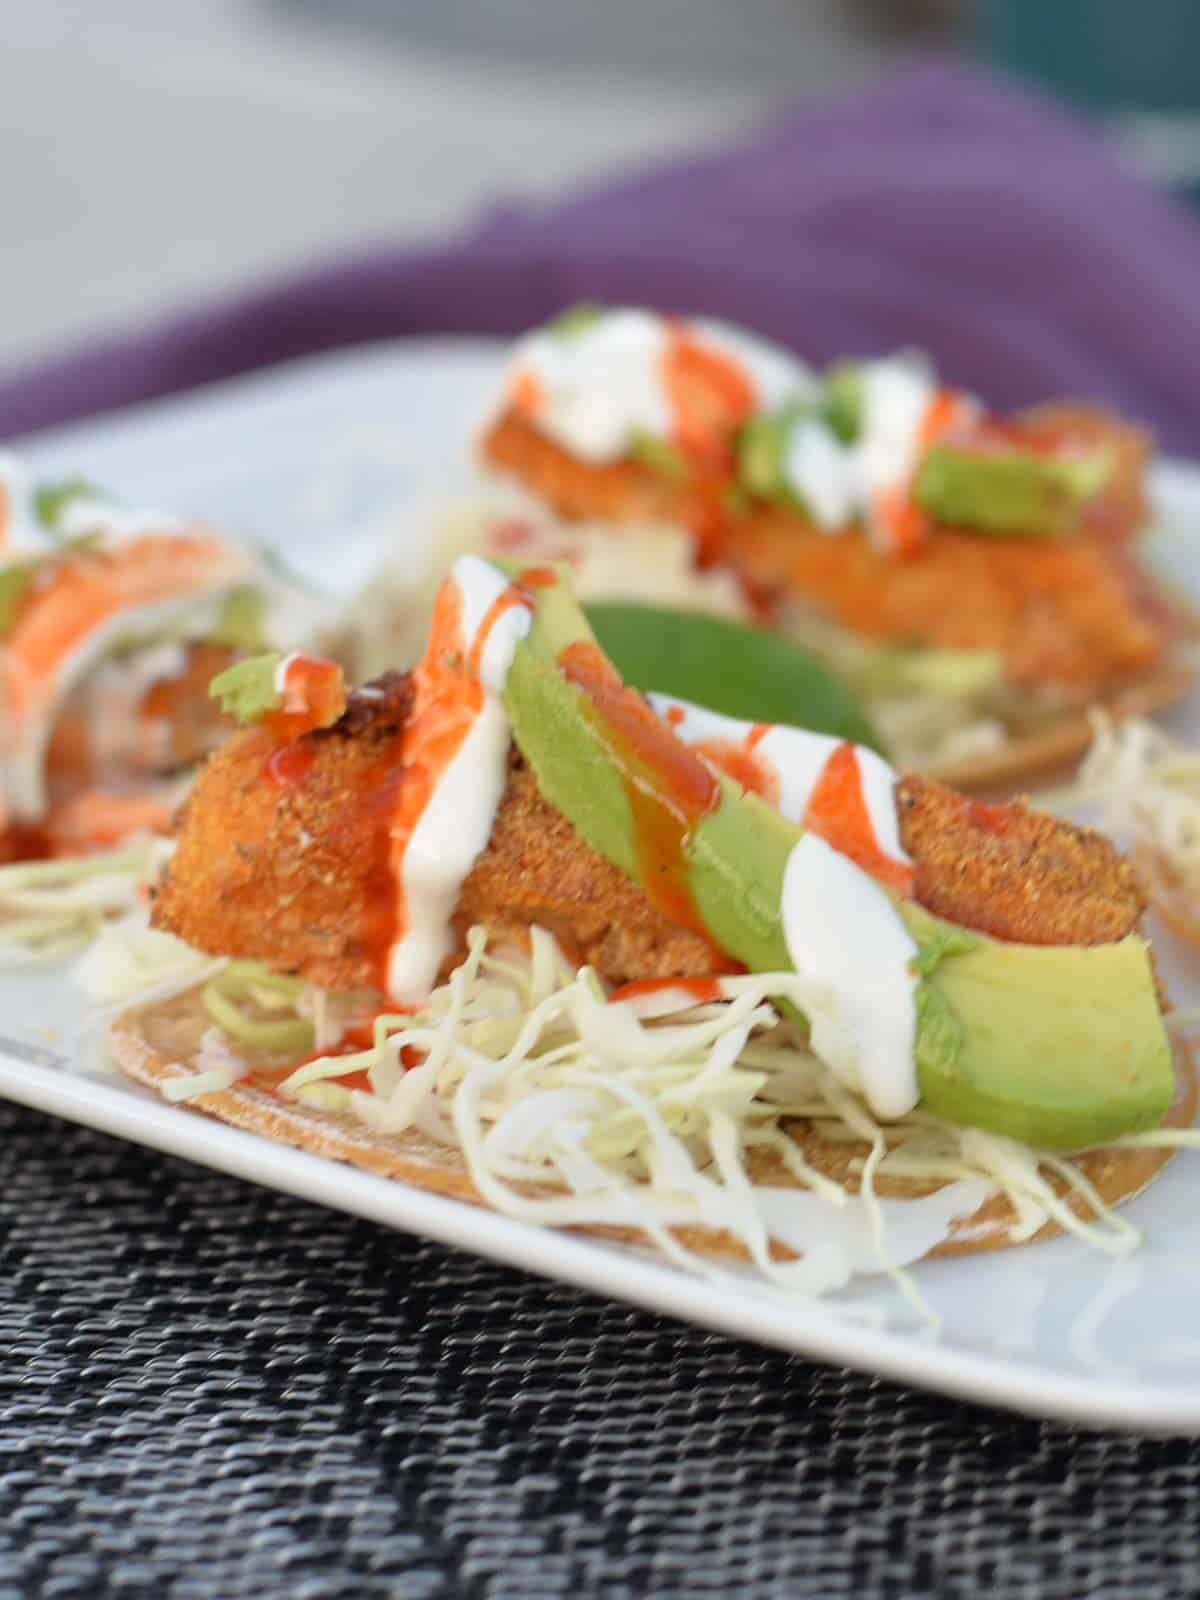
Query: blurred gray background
[157,151]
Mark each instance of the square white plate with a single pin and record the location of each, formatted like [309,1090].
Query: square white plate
[303,456]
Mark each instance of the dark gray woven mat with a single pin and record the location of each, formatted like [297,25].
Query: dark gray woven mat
[210,1391]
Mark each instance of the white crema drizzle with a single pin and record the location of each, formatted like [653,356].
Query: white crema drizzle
[838,482]
[603,383]
[456,823]
[842,930]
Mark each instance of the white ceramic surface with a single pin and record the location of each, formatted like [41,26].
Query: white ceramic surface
[302,456]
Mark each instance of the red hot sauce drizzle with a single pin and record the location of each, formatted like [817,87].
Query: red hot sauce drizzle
[739,760]
[447,699]
[669,789]
[701,991]
[359,1036]
[837,812]
[314,695]
[289,764]
[537,578]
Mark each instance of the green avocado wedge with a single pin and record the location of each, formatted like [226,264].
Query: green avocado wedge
[1008,491]
[1061,1047]
[762,449]
[728,667]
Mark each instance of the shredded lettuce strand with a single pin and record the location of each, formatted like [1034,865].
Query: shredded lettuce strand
[48,909]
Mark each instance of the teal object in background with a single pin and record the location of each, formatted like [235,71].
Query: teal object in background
[1136,62]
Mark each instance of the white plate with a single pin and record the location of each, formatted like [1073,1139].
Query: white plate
[301,455]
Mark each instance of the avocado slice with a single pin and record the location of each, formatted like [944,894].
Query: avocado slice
[660,455]
[762,450]
[763,442]
[842,400]
[1008,490]
[1059,1047]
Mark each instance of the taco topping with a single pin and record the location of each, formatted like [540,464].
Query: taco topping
[603,384]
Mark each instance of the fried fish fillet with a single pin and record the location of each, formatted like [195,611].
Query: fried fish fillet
[1072,612]
[279,859]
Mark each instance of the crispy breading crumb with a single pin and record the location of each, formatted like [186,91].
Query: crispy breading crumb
[1012,872]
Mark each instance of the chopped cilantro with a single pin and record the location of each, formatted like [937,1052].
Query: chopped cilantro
[247,689]
[51,500]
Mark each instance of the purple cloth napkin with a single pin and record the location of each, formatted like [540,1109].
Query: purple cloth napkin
[942,210]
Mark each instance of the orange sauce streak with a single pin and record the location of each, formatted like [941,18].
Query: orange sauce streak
[701,990]
[289,764]
[448,697]
[907,526]
[707,514]
[991,818]
[526,395]
[75,597]
[669,789]
[710,396]
[366,828]
[941,414]
[267,1077]
[537,577]
[837,812]
[503,602]
[743,766]
[314,695]
[357,1037]
[24,841]
[675,715]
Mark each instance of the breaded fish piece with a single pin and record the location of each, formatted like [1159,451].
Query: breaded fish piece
[1070,612]
[282,858]
[281,868]
[618,491]
[1014,873]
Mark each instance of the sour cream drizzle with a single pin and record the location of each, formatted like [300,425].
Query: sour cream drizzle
[593,389]
[454,756]
[797,772]
[904,411]
[842,929]
[844,933]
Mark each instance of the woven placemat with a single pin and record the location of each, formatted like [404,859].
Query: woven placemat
[210,1391]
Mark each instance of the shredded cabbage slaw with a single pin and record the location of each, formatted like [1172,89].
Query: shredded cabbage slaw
[1145,786]
[570,1109]
[49,908]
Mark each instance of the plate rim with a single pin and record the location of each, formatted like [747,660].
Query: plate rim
[809,1328]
